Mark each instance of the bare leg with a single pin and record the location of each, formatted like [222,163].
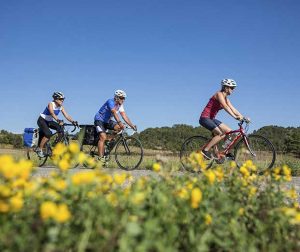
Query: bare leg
[102,138]
[43,142]
[219,135]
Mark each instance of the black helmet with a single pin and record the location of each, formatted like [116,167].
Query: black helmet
[58,95]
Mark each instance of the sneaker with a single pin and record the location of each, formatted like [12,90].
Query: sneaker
[102,160]
[230,156]
[206,154]
[40,153]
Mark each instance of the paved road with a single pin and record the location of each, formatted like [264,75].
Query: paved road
[45,171]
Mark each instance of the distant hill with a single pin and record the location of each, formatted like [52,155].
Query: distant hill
[171,138]
[286,140]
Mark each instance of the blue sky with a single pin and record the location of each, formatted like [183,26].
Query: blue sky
[168,55]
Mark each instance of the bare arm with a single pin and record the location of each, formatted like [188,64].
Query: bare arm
[69,118]
[235,111]
[228,107]
[127,120]
[117,118]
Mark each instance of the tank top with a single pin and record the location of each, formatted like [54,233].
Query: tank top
[212,108]
[46,113]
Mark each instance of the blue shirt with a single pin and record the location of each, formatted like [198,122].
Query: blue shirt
[104,114]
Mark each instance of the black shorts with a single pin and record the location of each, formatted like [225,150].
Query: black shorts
[45,127]
[209,124]
[103,126]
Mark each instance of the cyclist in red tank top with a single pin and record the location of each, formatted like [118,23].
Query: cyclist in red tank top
[207,118]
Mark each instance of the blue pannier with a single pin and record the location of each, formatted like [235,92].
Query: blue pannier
[30,137]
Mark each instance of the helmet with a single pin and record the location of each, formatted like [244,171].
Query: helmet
[120,93]
[58,95]
[228,83]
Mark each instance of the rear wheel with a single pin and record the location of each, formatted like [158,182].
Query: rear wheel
[129,153]
[258,149]
[190,145]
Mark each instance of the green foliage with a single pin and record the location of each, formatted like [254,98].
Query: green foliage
[11,138]
[169,138]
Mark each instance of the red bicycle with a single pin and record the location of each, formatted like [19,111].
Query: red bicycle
[241,148]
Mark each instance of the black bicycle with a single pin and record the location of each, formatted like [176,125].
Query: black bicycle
[127,150]
[64,138]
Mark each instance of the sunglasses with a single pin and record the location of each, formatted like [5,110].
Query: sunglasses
[122,98]
[61,99]
[232,88]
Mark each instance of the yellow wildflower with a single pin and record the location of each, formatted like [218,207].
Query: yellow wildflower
[16,203]
[138,198]
[241,211]
[208,219]
[83,178]
[64,164]
[120,178]
[48,210]
[252,191]
[60,184]
[210,176]
[74,148]
[292,193]
[4,207]
[5,191]
[196,197]
[62,214]
[183,193]
[59,149]
[112,198]
[156,167]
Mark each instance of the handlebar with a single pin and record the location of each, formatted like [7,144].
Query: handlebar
[244,120]
[71,124]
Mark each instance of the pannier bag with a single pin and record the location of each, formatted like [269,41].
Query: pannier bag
[90,135]
[30,137]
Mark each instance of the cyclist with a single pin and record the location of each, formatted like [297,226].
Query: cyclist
[46,122]
[103,119]
[207,118]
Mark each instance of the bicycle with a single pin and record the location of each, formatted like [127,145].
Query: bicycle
[64,138]
[128,150]
[245,147]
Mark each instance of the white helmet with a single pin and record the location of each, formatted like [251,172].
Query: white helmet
[58,95]
[120,93]
[228,83]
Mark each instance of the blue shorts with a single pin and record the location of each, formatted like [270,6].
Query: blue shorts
[209,124]
[102,126]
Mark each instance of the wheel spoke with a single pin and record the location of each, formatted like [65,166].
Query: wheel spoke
[129,153]
[258,149]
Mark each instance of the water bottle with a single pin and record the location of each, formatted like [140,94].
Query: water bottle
[227,142]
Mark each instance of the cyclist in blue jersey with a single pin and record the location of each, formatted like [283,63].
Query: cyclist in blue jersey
[103,119]
[46,122]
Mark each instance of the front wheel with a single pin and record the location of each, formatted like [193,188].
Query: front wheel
[129,153]
[190,145]
[258,149]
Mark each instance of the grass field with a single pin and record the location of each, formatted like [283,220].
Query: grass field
[167,157]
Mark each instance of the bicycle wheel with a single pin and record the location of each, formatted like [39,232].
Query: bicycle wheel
[90,150]
[190,145]
[129,153]
[256,148]
[33,156]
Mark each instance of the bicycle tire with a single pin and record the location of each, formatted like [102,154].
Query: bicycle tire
[261,147]
[190,145]
[32,155]
[129,153]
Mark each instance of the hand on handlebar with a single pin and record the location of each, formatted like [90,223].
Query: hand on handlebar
[134,127]
[60,122]
[75,123]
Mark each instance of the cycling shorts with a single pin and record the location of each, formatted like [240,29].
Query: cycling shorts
[45,127]
[102,126]
[208,123]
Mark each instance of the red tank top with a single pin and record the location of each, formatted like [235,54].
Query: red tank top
[212,108]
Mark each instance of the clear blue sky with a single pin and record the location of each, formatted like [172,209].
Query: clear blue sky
[168,55]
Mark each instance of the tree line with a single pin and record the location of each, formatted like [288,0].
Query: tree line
[286,140]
